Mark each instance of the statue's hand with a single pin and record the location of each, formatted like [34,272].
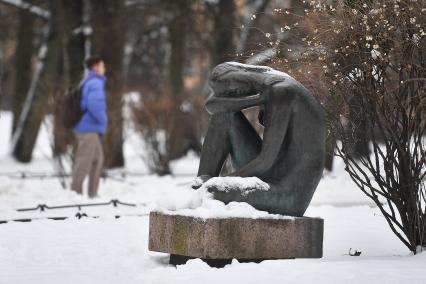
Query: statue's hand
[198,182]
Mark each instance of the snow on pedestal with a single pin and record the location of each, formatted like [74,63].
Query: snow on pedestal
[236,230]
[245,185]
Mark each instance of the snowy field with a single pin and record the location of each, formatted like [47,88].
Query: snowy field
[110,250]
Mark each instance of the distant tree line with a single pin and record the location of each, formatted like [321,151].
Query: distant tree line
[156,48]
[162,50]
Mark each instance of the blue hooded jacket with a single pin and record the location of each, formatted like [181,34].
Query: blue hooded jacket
[93,104]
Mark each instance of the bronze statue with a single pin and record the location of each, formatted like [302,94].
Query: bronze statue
[290,157]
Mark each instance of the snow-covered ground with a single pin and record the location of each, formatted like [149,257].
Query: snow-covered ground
[109,250]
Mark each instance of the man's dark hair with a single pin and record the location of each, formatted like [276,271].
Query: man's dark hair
[92,61]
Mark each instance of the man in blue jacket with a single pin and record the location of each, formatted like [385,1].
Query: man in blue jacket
[91,127]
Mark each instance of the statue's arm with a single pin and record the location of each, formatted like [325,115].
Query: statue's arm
[224,104]
[278,114]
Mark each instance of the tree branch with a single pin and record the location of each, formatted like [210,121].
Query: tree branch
[28,7]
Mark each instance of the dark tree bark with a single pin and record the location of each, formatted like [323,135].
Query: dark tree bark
[74,40]
[25,141]
[24,53]
[223,48]
[108,42]
[329,153]
[72,66]
[177,29]
[331,140]
[177,39]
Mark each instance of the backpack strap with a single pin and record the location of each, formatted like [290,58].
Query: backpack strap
[81,89]
[82,83]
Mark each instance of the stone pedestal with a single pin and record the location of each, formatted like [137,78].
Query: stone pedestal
[218,239]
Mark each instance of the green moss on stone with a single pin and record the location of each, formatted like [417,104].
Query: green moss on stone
[180,238]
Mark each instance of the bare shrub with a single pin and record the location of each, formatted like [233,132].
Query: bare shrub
[372,58]
[153,118]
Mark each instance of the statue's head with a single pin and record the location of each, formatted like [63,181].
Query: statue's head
[231,79]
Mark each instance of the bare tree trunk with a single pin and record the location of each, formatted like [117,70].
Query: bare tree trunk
[24,53]
[177,30]
[29,7]
[75,39]
[28,127]
[331,140]
[72,66]
[108,42]
[224,32]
